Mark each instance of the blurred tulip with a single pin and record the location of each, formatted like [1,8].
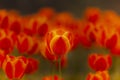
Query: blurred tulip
[100,75]
[92,15]
[32,66]
[22,43]
[46,12]
[30,25]
[14,67]
[99,62]
[42,29]
[6,41]
[4,18]
[16,24]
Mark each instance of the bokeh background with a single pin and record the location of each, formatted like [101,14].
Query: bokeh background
[77,67]
[75,7]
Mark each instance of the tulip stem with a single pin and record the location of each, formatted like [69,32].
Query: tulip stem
[53,71]
[60,71]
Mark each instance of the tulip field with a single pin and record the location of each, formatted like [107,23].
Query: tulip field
[51,45]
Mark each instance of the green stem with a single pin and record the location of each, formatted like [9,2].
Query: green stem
[53,70]
[60,70]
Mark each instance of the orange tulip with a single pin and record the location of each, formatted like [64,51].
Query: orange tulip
[100,75]
[22,43]
[4,19]
[99,62]
[16,24]
[46,12]
[93,15]
[27,44]
[7,41]
[58,42]
[14,67]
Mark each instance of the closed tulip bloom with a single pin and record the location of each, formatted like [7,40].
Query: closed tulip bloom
[59,42]
[14,67]
[99,62]
[32,66]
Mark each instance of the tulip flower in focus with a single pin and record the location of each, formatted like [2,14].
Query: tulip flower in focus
[58,42]
[99,62]
[14,67]
[100,75]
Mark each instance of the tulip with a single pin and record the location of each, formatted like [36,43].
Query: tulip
[27,44]
[32,66]
[16,23]
[14,67]
[99,62]
[4,19]
[46,12]
[58,42]
[7,41]
[93,15]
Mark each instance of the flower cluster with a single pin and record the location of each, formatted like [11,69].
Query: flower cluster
[43,33]
[53,35]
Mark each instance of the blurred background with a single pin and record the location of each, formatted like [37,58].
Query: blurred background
[77,67]
[75,7]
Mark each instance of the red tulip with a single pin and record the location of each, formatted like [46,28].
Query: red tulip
[30,25]
[92,15]
[14,67]
[22,43]
[99,62]
[58,42]
[5,22]
[16,24]
[100,75]
[27,44]
[34,45]
[46,12]
[42,29]
[32,66]
[6,41]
